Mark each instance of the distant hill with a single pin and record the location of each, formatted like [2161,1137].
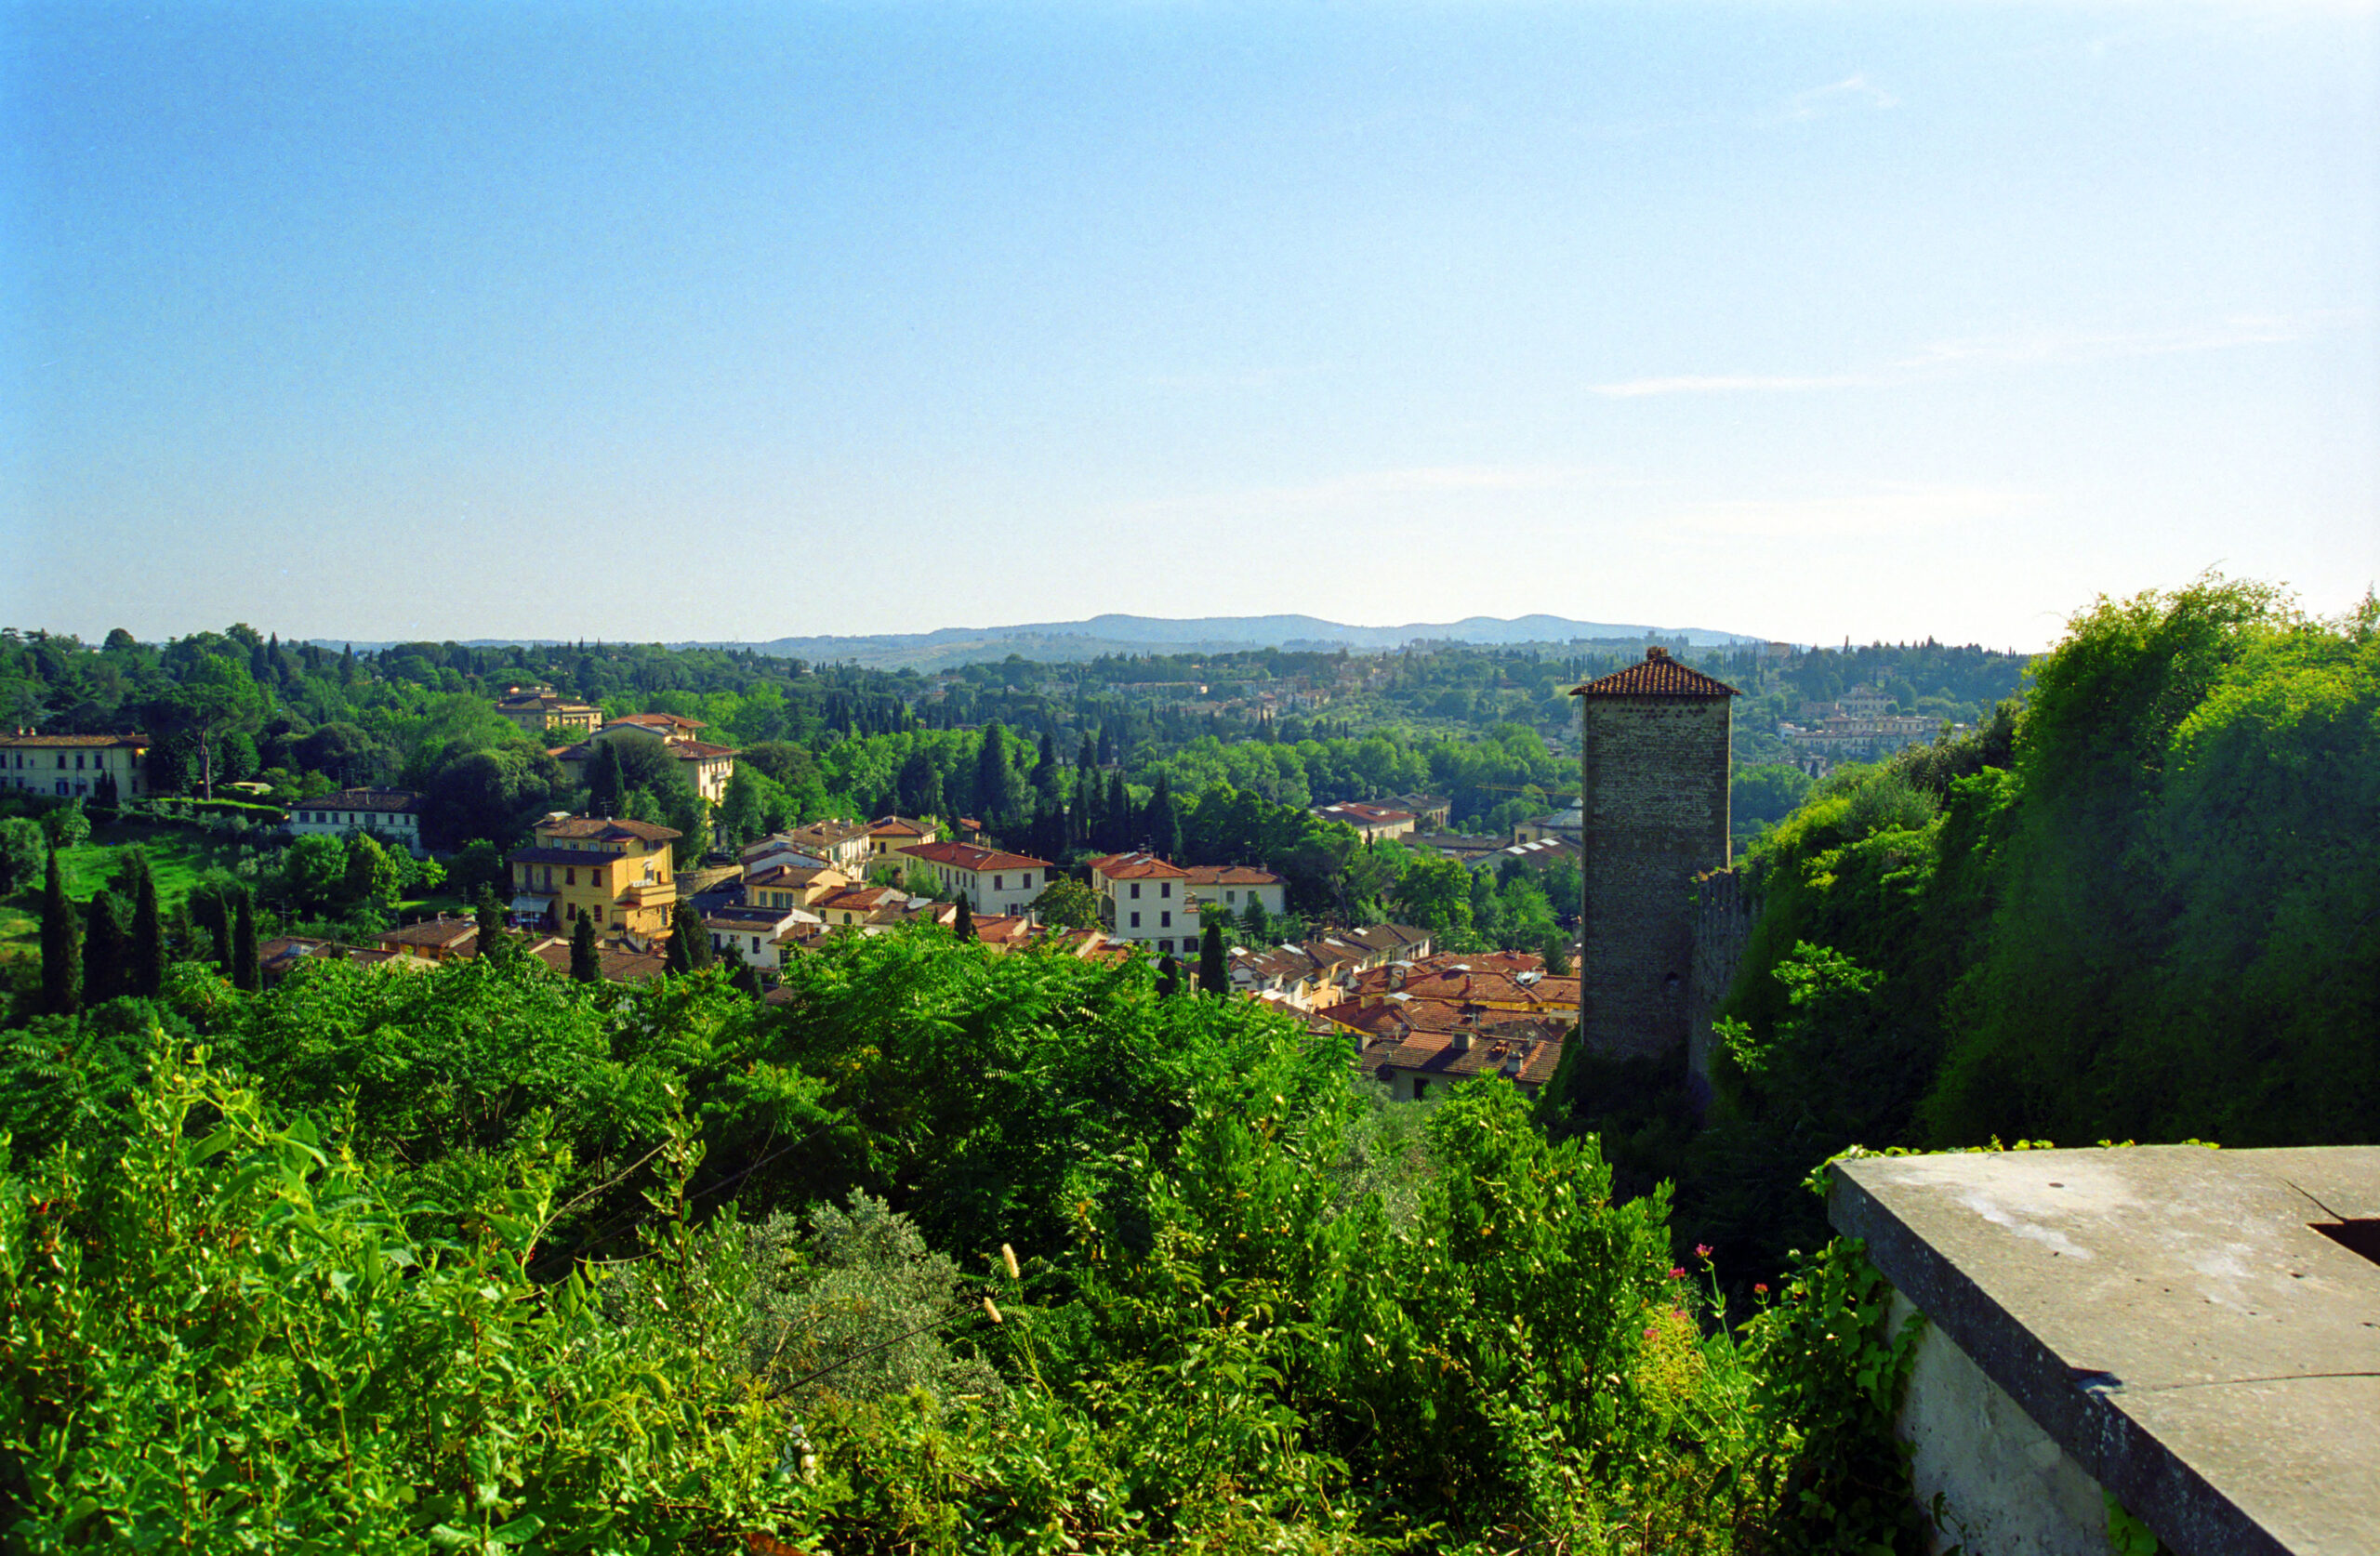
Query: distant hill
[1120,634]
[1067,641]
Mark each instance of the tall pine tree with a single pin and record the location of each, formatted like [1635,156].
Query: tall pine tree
[62,947]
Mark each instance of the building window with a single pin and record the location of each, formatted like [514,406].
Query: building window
[1231,896]
[1136,921]
[1136,891]
[570,877]
[1164,920]
[999,883]
[599,912]
[1025,881]
[1165,889]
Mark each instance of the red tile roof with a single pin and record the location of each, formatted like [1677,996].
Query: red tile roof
[968,856]
[1136,866]
[1657,675]
[1230,875]
[457,935]
[605,828]
[1530,1060]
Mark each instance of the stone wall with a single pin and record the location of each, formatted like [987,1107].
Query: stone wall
[1723,908]
[1654,775]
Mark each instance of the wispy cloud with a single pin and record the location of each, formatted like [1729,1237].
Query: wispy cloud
[1851,92]
[2031,348]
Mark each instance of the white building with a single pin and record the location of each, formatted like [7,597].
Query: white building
[1146,901]
[1232,887]
[391,815]
[992,881]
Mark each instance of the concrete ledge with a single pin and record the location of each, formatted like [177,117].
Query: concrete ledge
[2167,1316]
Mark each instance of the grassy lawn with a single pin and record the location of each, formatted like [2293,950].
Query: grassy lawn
[20,932]
[177,856]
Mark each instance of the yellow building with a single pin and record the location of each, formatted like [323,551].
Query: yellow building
[540,713]
[68,766]
[617,871]
[887,836]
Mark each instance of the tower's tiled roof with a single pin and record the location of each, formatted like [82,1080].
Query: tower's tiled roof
[1657,675]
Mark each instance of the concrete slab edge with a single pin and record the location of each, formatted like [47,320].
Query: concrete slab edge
[2082,1413]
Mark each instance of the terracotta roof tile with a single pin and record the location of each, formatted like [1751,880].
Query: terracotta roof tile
[1657,675]
[968,856]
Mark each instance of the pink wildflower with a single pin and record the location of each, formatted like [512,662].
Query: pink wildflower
[1677,1272]
[1760,1288]
[1701,1250]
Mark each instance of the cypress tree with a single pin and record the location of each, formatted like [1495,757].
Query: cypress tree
[105,951]
[995,780]
[1162,822]
[604,781]
[1259,926]
[686,925]
[495,941]
[1169,976]
[245,971]
[211,907]
[963,926]
[1215,973]
[585,963]
[1047,776]
[147,968]
[1116,823]
[62,947]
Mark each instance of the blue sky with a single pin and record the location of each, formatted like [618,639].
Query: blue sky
[703,321]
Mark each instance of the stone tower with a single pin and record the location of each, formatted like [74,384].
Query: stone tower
[1653,815]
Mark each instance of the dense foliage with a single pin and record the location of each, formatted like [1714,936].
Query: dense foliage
[950,1251]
